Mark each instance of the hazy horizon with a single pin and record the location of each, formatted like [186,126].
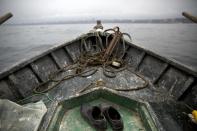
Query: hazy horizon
[34,11]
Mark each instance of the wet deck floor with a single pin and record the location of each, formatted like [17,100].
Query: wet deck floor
[123,80]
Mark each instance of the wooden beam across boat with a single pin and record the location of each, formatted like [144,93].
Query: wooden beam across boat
[5,17]
[190,17]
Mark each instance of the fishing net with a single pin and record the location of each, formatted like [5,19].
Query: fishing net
[14,117]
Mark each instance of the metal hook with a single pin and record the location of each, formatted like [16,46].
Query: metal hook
[116,28]
[110,30]
[127,35]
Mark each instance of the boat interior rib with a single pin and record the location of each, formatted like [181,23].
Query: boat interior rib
[108,65]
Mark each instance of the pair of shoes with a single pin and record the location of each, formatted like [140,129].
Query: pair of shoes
[98,116]
[113,117]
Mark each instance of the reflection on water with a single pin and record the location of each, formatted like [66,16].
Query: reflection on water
[176,41]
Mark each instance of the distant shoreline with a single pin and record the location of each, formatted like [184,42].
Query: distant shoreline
[126,21]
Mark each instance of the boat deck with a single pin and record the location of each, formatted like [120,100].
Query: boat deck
[124,80]
[150,78]
[156,97]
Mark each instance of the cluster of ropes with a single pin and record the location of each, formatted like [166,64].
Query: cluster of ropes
[108,55]
[92,56]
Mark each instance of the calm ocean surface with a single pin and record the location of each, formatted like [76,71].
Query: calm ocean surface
[175,41]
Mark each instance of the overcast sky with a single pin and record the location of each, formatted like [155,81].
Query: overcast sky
[47,10]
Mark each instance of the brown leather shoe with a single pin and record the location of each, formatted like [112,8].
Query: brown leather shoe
[113,117]
[94,116]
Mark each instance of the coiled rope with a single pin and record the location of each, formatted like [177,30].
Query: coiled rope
[87,60]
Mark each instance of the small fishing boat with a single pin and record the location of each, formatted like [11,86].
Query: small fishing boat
[151,92]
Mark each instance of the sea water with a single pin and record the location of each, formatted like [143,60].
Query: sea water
[21,42]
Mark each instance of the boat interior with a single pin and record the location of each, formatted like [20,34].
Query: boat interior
[167,87]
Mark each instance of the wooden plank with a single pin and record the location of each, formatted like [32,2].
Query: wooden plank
[162,72]
[55,60]
[69,54]
[140,61]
